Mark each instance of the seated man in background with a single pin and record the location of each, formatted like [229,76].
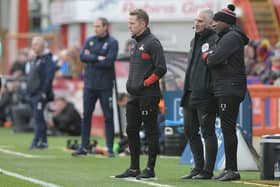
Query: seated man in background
[65,118]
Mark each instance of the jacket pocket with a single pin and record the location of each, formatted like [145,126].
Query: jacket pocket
[135,89]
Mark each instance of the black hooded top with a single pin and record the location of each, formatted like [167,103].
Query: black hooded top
[226,63]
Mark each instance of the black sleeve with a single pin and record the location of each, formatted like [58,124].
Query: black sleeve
[228,45]
[158,58]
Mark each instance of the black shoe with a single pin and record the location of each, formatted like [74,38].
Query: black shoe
[110,154]
[42,146]
[80,152]
[193,173]
[203,175]
[32,147]
[220,175]
[128,173]
[146,174]
[230,176]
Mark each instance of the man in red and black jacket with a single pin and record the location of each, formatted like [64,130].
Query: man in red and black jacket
[147,66]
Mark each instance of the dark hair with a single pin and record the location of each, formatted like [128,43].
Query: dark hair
[140,14]
[104,21]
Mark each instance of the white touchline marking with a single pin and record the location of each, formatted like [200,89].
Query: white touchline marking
[143,182]
[148,182]
[19,154]
[32,180]
[254,183]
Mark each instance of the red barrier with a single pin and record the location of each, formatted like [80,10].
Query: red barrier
[265,109]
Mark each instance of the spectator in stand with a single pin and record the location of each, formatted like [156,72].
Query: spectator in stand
[65,118]
[276,64]
[277,49]
[264,54]
[75,63]
[250,59]
[5,102]
[64,64]
[18,67]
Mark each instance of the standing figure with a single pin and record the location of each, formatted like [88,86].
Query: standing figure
[39,87]
[99,54]
[147,66]
[198,102]
[226,63]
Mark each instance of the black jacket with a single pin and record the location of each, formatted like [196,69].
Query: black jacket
[197,87]
[147,57]
[226,63]
[68,120]
[41,75]
[100,74]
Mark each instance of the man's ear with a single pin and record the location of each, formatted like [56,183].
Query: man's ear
[143,23]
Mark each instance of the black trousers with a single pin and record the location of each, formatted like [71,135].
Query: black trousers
[228,111]
[142,110]
[195,119]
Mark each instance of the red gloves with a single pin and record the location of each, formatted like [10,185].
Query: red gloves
[151,79]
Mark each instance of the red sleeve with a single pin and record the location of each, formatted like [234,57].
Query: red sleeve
[151,79]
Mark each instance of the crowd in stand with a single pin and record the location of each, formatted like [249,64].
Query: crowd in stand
[263,62]
[261,58]
[15,103]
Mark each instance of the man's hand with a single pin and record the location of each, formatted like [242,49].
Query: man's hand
[100,58]
[87,52]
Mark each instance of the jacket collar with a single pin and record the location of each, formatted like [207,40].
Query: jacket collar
[143,35]
[103,38]
[204,34]
[223,32]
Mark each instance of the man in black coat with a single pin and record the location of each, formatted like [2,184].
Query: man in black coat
[147,66]
[198,100]
[226,64]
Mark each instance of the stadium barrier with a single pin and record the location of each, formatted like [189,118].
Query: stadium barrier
[265,109]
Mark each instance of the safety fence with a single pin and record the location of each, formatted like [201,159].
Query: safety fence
[265,109]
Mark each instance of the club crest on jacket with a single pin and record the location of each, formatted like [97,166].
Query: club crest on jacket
[141,48]
[204,47]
